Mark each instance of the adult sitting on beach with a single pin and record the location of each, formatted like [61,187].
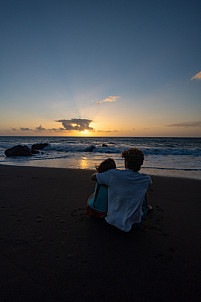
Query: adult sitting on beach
[126,191]
[98,202]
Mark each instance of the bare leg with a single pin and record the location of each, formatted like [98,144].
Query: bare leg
[92,212]
[89,198]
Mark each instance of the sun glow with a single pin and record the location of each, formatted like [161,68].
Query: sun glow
[85,132]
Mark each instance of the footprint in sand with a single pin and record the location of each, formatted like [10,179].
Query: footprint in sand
[164,259]
[159,209]
[39,219]
[79,212]
[165,234]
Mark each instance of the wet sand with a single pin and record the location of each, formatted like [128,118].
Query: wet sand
[51,251]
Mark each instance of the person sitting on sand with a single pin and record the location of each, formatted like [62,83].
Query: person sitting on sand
[98,202]
[126,190]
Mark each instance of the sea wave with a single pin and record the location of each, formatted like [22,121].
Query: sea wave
[118,149]
[163,156]
[74,147]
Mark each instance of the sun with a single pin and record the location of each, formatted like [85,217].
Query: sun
[85,132]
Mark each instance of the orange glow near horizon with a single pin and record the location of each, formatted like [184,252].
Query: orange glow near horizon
[103,127]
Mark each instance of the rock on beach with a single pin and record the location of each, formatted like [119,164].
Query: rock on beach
[39,146]
[23,150]
[19,150]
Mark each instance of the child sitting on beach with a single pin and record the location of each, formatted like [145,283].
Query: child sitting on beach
[98,202]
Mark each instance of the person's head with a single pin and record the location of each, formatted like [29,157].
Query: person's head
[133,159]
[107,164]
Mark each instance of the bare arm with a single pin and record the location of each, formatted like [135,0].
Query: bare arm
[149,207]
[93,177]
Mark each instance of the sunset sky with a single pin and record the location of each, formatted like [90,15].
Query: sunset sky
[100,68]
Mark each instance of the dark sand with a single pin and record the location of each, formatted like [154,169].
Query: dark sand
[51,251]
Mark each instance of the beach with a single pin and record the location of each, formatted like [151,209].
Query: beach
[51,251]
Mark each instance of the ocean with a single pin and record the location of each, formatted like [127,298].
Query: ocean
[166,156]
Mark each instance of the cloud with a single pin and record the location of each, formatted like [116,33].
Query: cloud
[25,129]
[186,124]
[76,124]
[111,131]
[40,128]
[56,129]
[107,131]
[109,99]
[197,76]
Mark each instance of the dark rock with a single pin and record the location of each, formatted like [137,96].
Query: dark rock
[39,146]
[104,145]
[18,150]
[90,148]
[34,151]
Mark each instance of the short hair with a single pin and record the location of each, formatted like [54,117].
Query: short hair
[107,164]
[134,158]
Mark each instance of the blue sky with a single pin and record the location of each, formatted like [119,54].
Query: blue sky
[115,68]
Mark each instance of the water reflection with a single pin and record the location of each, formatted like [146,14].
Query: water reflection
[85,163]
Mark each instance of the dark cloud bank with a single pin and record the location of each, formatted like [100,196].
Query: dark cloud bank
[77,124]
